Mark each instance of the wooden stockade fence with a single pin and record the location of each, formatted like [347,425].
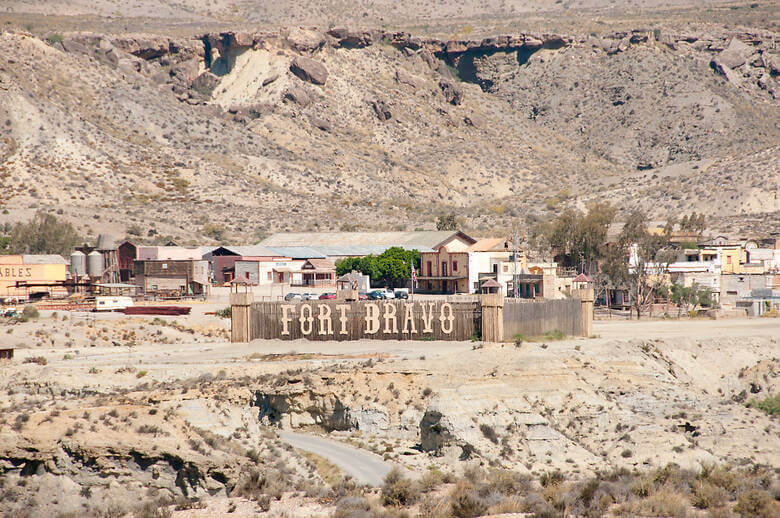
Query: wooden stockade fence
[490,318]
[379,320]
[531,318]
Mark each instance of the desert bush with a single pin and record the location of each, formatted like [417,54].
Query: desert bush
[465,502]
[29,313]
[352,507]
[664,503]
[154,509]
[537,506]
[770,404]
[255,484]
[149,428]
[513,504]
[430,480]
[508,482]
[40,360]
[398,490]
[707,495]
[489,433]
[756,503]
[225,312]
[551,478]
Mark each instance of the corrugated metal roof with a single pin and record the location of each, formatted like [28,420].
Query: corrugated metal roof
[297,252]
[416,239]
[361,250]
[43,259]
[251,251]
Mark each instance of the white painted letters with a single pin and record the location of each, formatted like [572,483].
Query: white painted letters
[446,321]
[342,309]
[324,317]
[286,318]
[390,317]
[306,319]
[409,325]
[372,318]
[427,316]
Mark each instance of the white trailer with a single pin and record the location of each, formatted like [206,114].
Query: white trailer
[112,303]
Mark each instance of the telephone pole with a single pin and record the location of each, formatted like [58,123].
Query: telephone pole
[514,261]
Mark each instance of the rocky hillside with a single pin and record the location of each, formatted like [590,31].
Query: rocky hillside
[231,134]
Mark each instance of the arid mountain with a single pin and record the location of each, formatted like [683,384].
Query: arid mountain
[231,134]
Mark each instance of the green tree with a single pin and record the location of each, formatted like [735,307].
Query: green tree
[391,268]
[43,234]
[579,237]
[690,297]
[636,262]
[447,222]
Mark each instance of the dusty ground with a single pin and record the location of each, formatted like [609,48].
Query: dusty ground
[189,399]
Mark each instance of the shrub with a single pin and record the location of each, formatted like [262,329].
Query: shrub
[508,482]
[398,490]
[140,374]
[551,478]
[29,313]
[756,503]
[707,495]
[489,433]
[149,428]
[225,313]
[40,360]
[465,503]
[626,453]
[54,38]
[159,509]
[770,404]
[430,480]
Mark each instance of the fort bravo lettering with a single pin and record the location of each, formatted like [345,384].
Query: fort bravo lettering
[386,318]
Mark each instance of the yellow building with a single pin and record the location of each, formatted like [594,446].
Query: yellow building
[38,273]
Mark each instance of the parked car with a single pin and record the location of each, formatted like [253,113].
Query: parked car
[328,296]
[10,312]
[401,293]
[376,295]
[310,296]
[290,297]
[362,296]
[389,294]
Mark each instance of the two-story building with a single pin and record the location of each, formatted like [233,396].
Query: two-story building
[446,268]
[172,276]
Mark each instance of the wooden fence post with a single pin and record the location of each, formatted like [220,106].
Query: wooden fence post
[492,317]
[240,305]
[586,296]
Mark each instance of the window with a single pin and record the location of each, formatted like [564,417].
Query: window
[270,276]
[454,266]
[443,269]
[430,269]
[506,268]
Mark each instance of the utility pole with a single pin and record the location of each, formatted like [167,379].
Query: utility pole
[514,260]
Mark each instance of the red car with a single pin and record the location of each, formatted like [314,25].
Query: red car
[328,296]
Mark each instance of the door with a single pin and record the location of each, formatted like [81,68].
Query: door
[443,269]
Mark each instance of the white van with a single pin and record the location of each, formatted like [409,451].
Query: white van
[112,303]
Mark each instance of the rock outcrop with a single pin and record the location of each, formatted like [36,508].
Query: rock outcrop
[304,40]
[309,70]
[453,92]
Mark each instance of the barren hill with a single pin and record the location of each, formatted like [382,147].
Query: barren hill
[287,128]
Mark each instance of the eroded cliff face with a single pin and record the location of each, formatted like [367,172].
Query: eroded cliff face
[312,129]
